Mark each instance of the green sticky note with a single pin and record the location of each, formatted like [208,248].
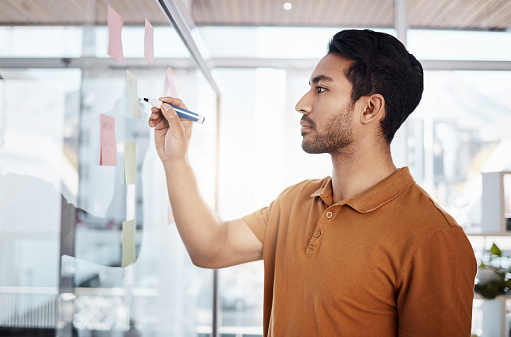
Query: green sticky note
[128,242]
[131,83]
[130,162]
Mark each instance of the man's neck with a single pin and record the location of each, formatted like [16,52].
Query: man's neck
[354,172]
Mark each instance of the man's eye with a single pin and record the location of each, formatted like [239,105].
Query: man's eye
[319,90]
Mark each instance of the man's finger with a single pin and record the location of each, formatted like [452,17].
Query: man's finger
[173,101]
[171,116]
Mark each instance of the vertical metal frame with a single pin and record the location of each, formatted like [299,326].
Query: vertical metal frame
[176,18]
[401,19]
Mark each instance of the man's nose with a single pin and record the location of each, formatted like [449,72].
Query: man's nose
[303,105]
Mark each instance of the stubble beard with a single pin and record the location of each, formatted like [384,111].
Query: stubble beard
[336,137]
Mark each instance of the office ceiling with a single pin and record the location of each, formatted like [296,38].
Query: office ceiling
[432,14]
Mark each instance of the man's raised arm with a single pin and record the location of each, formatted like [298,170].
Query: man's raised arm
[210,241]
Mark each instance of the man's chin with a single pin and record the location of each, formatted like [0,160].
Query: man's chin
[309,149]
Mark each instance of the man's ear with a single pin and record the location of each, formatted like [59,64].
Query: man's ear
[374,109]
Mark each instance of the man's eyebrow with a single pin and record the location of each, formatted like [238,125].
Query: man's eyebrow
[321,78]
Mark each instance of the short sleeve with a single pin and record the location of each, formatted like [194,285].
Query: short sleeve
[265,222]
[258,222]
[436,288]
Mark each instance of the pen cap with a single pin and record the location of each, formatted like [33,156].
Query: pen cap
[154,102]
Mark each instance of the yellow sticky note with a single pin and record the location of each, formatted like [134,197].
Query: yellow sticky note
[130,162]
[128,243]
[131,83]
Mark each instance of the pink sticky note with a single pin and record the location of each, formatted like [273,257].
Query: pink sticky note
[149,41]
[115,22]
[108,151]
[170,88]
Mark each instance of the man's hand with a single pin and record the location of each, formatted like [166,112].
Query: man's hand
[171,133]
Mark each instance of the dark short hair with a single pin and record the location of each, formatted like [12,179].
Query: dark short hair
[381,65]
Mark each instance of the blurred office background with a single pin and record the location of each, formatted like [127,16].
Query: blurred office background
[243,64]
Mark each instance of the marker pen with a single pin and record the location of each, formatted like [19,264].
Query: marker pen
[180,111]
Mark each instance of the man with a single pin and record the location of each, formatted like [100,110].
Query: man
[365,252]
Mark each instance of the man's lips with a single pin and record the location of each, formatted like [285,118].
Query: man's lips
[305,125]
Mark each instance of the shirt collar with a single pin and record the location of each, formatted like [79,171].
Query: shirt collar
[377,196]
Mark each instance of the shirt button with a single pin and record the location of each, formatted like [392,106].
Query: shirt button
[317,234]
[329,215]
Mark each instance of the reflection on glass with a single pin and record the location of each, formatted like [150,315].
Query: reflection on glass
[61,212]
[38,179]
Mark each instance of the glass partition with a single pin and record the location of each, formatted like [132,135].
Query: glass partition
[37,173]
[64,199]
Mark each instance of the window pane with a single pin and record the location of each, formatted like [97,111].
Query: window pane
[460,129]
[460,45]
[270,42]
[40,41]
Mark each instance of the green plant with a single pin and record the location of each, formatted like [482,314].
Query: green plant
[496,280]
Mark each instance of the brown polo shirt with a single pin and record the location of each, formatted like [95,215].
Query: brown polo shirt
[389,262]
